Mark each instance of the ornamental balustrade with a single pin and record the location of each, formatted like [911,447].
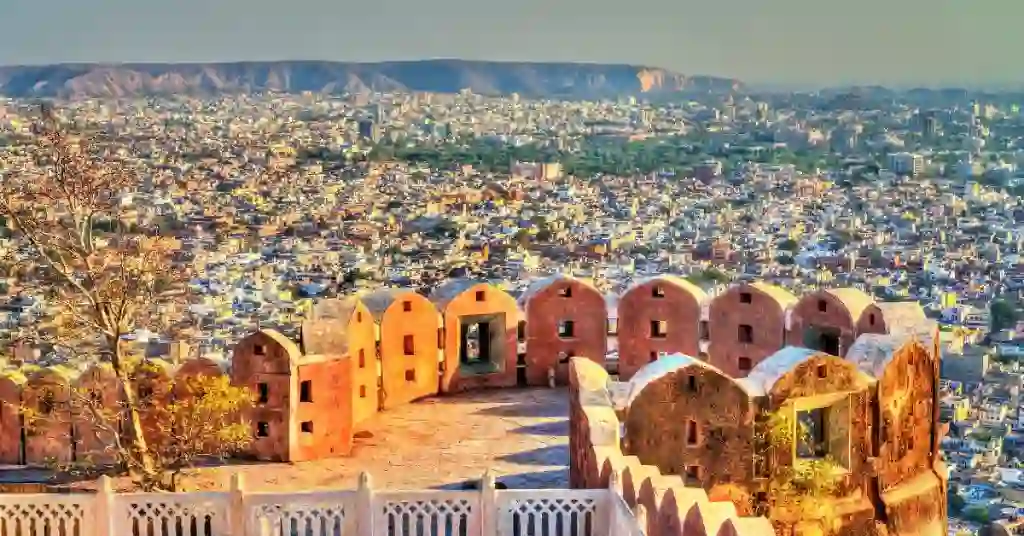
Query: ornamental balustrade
[361,512]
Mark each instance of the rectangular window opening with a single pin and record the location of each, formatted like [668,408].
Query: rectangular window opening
[746,333]
[410,375]
[812,433]
[658,291]
[692,435]
[263,429]
[307,427]
[264,392]
[744,364]
[659,329]
[306,391]
[565,292]
[408,345]
[407,306]
[566,329]
[704,330]
[746,297]
[259,349]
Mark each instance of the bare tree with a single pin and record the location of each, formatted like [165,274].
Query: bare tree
[76,247]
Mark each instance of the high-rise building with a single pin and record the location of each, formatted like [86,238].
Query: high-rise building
[906,164]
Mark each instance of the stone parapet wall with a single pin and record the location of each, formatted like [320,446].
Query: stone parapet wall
[668,506]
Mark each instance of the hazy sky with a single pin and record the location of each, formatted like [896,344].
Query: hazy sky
[783,41]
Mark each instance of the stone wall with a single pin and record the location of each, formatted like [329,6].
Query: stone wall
[411,349]
[670,506]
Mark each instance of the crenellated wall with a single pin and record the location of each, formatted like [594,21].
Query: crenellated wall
[390,347]
[596,461]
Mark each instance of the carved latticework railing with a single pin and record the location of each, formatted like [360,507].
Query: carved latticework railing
[361,512]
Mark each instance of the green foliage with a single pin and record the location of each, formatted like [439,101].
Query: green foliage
[799,492]
[789,245]
[956,503]
[709,276]
[977,514]
[591,156]
[1004,314]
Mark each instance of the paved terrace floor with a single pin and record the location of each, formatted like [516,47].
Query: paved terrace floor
[520,434]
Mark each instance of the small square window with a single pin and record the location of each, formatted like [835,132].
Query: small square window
[654,356]
[306,391]
[410,375]
[259,349]
[566,329]
[565,292]
[657,291]
[481,296]
[362,391]
[746,297]
[659,329]
[307,427]
[408,346]
[263,429]
[407,306]
[822,306]
[746,333]
[743,363]
[264,392]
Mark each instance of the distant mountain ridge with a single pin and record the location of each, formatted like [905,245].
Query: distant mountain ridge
[569,80]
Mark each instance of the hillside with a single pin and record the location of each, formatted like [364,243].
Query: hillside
[571,80]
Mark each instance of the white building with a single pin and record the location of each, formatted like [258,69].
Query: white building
[906,164]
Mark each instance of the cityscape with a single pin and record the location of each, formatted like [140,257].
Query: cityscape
[468,297]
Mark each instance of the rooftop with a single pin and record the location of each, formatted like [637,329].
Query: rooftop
[521,435]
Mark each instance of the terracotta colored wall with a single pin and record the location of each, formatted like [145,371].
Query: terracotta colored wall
[10,422]
[905,402]
[275,370]
[362,346]
[494,301]
[585,307]
[639,307]
[93,441]
[596,461]
[329,411]
[806,313]
[871,321]
[727,313]
[405,378]
[49,438]
[723,414]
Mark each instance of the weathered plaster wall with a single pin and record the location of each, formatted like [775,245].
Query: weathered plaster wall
[656,300]
[406,377]
[585,308]
[597,461]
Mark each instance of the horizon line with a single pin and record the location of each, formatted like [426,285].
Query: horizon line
[1003,85]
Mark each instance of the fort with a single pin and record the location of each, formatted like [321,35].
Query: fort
[863,373]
